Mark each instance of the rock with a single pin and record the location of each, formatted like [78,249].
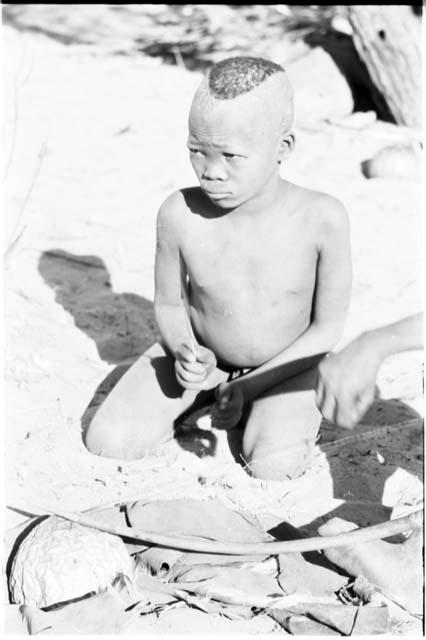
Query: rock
[397,162]
[357,121]
[320,89]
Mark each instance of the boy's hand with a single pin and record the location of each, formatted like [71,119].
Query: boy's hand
[195,368]
[228,409]
[347,381]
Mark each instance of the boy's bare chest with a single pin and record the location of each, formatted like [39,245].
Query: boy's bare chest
[221,257]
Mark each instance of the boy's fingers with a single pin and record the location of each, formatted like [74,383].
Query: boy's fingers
[187,375]
[223,415]
[194,387]
[194,367]
[190,385]
[225,423]
[223,394]
[204,355]
[185,353]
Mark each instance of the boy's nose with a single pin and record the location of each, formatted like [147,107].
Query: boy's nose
[214,171]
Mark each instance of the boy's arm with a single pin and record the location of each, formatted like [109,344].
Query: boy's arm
[195,365]
[330,304]
[170,312]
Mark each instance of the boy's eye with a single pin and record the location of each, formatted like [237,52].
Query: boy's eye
[192,150]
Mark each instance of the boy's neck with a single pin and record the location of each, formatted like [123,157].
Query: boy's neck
[266,199]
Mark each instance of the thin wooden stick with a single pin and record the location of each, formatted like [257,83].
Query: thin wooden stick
[191,335]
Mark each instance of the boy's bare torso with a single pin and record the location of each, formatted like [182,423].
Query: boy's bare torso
[251,277]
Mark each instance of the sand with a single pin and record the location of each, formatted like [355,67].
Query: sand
[96,142]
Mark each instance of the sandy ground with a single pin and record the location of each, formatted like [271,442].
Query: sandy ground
[96,142]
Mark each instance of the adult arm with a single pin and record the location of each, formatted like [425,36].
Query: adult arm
[347,379]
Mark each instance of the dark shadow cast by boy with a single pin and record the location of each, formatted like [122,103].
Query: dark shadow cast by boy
[121,324]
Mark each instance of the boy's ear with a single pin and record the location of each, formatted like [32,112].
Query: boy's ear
[287,142]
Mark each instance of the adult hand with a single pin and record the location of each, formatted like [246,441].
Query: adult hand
[195,367]
[347,381]
[228,408]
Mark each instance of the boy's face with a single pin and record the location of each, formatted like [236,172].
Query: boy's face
[233,151]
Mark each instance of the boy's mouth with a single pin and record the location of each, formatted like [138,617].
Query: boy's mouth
[216,194]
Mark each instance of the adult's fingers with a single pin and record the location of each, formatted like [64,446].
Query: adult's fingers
[344,414]
[353,406]
[328,405]
[364,401]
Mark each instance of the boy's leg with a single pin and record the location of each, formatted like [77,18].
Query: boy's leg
[140,411]
[281,429]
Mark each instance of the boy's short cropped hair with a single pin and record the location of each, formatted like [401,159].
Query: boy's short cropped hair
[235,76]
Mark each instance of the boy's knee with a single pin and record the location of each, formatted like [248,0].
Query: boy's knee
[103,439]
[125,437]
[268,463]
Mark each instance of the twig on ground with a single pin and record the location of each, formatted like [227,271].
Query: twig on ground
[372,433]
[178,56]
[17,87]
[17,234]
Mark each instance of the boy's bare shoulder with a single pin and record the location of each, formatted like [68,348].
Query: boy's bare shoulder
[328,212]
[332,211]
[171,208]
[174,207]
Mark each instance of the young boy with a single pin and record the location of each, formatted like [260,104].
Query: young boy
[252,282]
